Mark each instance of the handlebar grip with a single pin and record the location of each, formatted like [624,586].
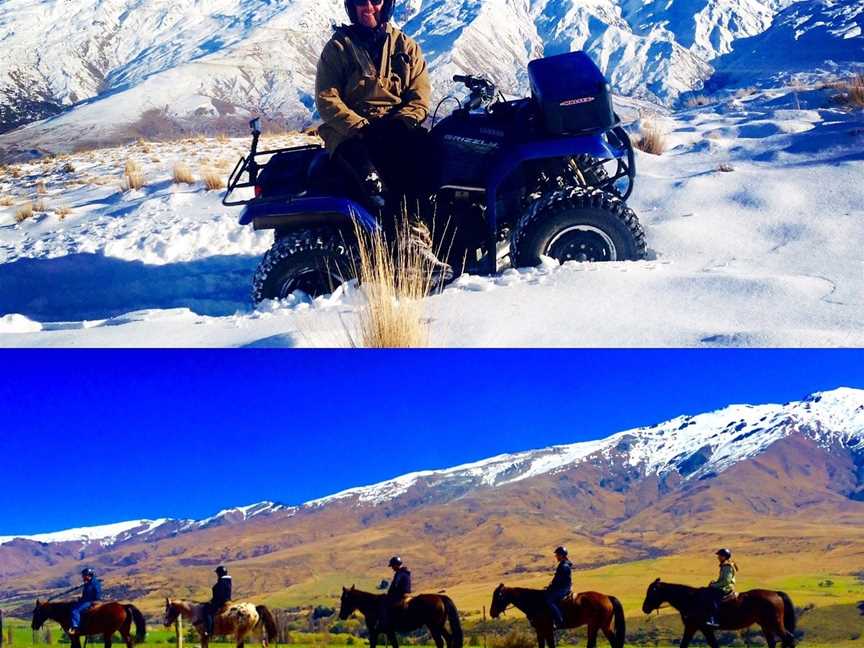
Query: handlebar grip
[461,78]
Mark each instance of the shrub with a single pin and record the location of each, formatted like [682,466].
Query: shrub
[514,639]
[651,140]
[212,180]
[851,92]
[182,174]
[24,212]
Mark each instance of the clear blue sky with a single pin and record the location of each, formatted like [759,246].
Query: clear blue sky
[96,437]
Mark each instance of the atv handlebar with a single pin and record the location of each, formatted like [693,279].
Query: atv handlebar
[482,90]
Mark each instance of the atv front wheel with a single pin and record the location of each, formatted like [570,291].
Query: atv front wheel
[315,261]
[577,224]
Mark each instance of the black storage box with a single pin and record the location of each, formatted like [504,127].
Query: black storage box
[571,93]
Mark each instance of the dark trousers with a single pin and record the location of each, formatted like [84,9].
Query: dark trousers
[211,609]
[709,598]
[553,598]
[404,158]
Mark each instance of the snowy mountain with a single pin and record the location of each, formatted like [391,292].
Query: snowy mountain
[106,535]
[220,60]
[690,446]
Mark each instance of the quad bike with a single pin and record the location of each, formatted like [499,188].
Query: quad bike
[542,176]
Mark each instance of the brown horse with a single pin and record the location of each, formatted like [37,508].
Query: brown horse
[237,619]
[102,619]
[772,611]
[430,610]
[598,611]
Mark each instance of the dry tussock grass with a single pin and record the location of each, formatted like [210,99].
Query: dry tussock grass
[213,180]
[68,167]
[698,100]
[395,279]
[40,188]
[15,172]
[651,140]
[514,639]
[182,174]
[850,92]
[133,176]
[222,138]
[62,212]
[40,206]
[24,212]
[6,201]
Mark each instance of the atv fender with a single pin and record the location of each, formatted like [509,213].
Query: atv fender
[304,212]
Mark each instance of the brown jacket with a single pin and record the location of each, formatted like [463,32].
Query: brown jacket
[351,90]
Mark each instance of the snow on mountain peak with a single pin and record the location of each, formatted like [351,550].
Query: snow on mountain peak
[105,534]
[691,445]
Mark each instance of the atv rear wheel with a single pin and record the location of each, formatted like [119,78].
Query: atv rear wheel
[577,224]
[315,261]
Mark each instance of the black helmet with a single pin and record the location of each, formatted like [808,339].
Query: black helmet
[221,570]
[725,553]
[560,551]
[88,572]
[384,16]
[395,561]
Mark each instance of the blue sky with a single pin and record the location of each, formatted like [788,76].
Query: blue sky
[91,437]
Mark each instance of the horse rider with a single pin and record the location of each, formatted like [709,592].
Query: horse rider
[560,586]
[91,592]
[719,589]
[400,588]
[221,595]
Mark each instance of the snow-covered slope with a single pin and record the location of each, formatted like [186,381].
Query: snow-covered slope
[753,219]
[107,535]
[690,445]
[219,60]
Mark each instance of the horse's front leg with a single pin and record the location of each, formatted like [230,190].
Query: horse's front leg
[689,631]
[391,635]
[710,637]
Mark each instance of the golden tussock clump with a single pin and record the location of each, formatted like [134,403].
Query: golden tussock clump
[24,212]
[212,179]
[62,212]
[6,201]
[396,279]
[851,92]
[133,176]
[651,140]
[40,188]
[182,174]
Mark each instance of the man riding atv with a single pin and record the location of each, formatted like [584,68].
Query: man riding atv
[372,91]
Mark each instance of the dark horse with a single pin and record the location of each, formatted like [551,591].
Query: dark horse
[102,619]
[430,610]
[598,611]
[773,611]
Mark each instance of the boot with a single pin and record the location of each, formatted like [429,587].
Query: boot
[374,188]
[711,622]
[421,240]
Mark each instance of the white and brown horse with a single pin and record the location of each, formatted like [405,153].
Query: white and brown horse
[238,620]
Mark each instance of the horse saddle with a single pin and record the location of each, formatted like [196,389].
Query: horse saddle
[729,598]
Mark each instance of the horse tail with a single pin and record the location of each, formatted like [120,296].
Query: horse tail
[140,624]
[788,612]
[620,623]
[455,624]
[269,623]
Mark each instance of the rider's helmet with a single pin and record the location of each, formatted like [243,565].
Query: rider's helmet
[561,551]
[385,14]
[395,561]
[724,553]
[221,570]
[88,572]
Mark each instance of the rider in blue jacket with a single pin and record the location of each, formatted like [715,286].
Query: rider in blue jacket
[91,591]
[560,586]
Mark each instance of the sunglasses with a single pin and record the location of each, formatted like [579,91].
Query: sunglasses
[362,3]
